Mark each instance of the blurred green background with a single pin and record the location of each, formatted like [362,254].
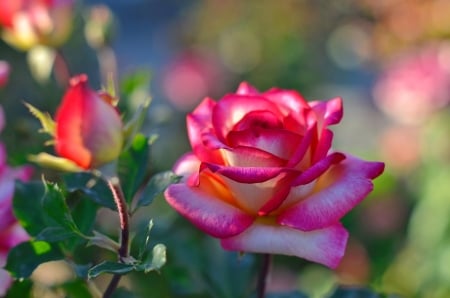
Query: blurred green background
[388,60]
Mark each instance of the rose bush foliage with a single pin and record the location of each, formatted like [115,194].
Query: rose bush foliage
[262,176]
[11,233]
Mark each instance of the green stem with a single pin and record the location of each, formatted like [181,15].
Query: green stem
[123,252]
[262,277]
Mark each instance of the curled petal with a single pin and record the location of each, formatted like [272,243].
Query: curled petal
[247,174]
[330,111]
[250,157]
[325,246]
[187,165]
[318,169]
[206,212]
[200,131]
[252,197]
[233,108]
[291,101]
[246,89]
[279,142]
[323,145]
[336,193]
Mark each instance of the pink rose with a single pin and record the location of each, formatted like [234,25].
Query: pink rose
[263,179]
[11,233]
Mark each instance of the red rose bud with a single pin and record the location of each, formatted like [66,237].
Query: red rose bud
[88,126]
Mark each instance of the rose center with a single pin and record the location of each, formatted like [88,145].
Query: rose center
[262,119]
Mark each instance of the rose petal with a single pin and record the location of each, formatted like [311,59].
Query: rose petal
[252,196]
[251,157]
[187,165]
[200,132]
[301,152]
[207,212]
[247,174]
[318,169]
[232,108]
[325,246]
[323,146]
[347,184]
[330,111]
[246,89]
[290,101]
[279,142]
[5,282]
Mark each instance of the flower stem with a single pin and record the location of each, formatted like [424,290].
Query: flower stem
[121,204]
[262,277]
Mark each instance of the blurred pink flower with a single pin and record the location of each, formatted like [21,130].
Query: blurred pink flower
[191,77]
[416,85]
[11,233]
[27,23]
[4,73]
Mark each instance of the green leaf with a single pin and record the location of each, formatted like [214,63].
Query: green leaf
[351,292]
[55,206]
[81,270]
[25,257]
[123,293]
[27,206]
[103,241]
[133,82]
[133,126]
[84,213]
[93,187]
[144,247]
[157,185]
[294,294]
[157,260]
[55,234]
[76,289]
[20,288]
[110,267]
[133,166]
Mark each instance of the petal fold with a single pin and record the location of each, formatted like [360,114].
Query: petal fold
[336,193]
[325,246]
[207,212]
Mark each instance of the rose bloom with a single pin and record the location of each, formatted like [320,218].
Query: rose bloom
[27,23]
[11,233]
[262,178]
[89,129]
[415,85]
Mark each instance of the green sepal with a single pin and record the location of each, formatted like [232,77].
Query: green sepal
[47,123]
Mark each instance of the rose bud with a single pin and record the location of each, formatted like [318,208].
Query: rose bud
[88,127]
[262,178]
